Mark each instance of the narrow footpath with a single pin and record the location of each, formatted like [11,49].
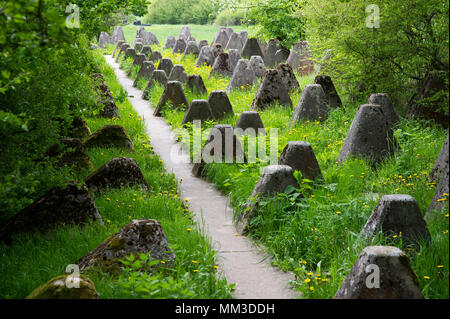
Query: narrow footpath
[240,260]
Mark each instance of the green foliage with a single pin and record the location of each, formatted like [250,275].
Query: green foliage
[230,17]
[182,12]
[412,40]
[277,19]
[33,259]
[317,235]
[45,81]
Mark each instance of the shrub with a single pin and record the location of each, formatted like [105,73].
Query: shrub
[229,17]
[411,42]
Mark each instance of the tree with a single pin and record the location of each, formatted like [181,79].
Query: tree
[411,42]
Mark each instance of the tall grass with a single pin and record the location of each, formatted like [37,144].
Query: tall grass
[33,259]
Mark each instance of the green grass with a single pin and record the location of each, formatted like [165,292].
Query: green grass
[320,233]
[199,32]
[33,259]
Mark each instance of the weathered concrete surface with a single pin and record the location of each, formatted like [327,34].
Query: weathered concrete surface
[397,279]
[241,261]
[395,214]
[300,156]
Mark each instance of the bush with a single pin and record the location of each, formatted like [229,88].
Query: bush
[276,19]
[229,17]
[185,12]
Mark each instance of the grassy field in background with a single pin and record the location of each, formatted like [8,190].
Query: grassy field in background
[34,259]
[318,237]
[199,32]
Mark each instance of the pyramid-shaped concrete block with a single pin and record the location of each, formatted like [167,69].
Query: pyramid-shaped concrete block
[155,56]
[380,272]
[198,110]
[243,76]
[220,104]
[138,60]
[300,58]
[221,66]
[271,90]
[202,43]
[145,72]
[243,35]
[170,42]
[221,38]
[281,56]
[222,146]
[272,48]
[333,99]
[166,65]
[191,48]
[312,105]
[138,46]
[185,33]
[117,48]
[118,35]
[440,198]
[180,46]
[275,179]
[174,93]
[178,73]
[234,57]
[370,136]
[195,83]
[147,51]
[234,42]
[395,215]
[252,120]
[288,77]
[206,56]
[300,156]
[122,50]
[130,53]
[104,39]
[251,48]
[158,76]
[216,49]
[441,164]
[258,66]
[383,100]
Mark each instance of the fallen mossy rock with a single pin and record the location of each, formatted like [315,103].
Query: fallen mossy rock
[61,288]
[70,152]
[59,206]
[109,108]
[138,237]
[117,173]
[110,136]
